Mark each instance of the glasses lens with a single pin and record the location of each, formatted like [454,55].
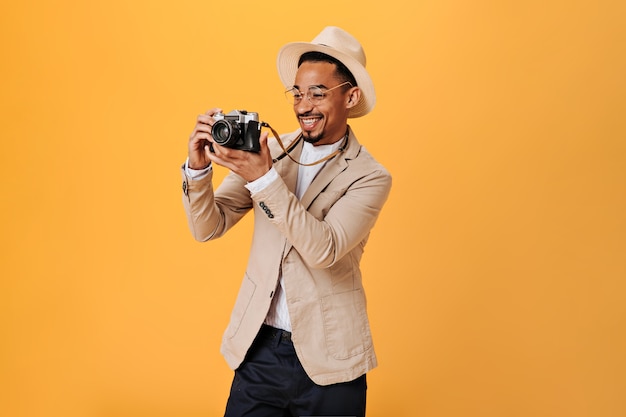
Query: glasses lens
[316,95]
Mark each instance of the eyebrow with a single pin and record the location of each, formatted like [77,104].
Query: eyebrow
[316,85]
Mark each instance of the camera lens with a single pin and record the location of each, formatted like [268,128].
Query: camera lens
[225,132]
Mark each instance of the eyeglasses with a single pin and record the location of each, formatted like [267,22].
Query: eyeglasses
[314,94]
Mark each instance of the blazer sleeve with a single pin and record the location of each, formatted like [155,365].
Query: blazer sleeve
[348,213]
[210,214]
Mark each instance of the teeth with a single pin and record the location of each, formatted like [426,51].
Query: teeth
[309,121]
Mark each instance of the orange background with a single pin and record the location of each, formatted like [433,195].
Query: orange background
[495,274]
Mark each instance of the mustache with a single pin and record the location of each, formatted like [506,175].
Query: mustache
[309,114]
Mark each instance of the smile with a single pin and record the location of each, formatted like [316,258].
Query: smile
[309,121]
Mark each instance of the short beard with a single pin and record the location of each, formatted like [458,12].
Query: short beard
[312,139]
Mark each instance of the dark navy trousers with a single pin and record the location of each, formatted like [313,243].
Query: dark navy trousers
[272,383]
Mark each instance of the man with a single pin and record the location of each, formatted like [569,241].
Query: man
[298,338]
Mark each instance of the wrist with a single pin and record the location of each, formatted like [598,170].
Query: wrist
[199,168]
[197,165]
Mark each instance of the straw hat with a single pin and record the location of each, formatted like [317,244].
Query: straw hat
[341,45]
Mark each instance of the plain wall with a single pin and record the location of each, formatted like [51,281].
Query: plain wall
[495,274]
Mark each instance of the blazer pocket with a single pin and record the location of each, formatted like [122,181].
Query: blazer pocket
[346,326]
[246,292]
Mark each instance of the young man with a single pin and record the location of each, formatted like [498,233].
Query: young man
[299,338]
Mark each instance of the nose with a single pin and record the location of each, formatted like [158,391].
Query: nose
[303,106]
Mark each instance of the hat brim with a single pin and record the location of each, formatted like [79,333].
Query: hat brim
[287,63]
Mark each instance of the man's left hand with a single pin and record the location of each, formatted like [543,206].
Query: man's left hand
[248,165]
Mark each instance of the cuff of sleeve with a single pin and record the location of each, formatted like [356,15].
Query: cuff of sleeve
[260,183]
[196,174]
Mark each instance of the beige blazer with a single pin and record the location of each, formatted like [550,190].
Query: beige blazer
[316,244]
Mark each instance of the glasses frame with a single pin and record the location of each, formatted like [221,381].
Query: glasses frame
[292,99]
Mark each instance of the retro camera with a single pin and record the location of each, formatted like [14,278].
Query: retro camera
[238,129]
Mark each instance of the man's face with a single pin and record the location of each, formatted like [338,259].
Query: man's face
[325,122]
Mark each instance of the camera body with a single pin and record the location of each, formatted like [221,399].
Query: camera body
[238,129]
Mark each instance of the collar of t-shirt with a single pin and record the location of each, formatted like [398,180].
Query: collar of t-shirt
[310,154]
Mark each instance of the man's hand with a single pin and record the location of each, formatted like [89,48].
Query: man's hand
[249,165]
[200,139]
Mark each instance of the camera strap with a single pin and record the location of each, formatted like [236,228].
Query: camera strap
[286,152]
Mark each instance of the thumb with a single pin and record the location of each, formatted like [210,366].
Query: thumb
[265,150]
[263,139]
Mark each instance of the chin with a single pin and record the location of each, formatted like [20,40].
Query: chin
[311,136]
[312,139]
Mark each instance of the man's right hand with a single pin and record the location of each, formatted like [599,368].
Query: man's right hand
[200,140]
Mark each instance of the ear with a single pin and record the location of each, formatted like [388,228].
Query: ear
[354,95]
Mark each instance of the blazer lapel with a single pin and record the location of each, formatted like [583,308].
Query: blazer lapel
[332,168]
